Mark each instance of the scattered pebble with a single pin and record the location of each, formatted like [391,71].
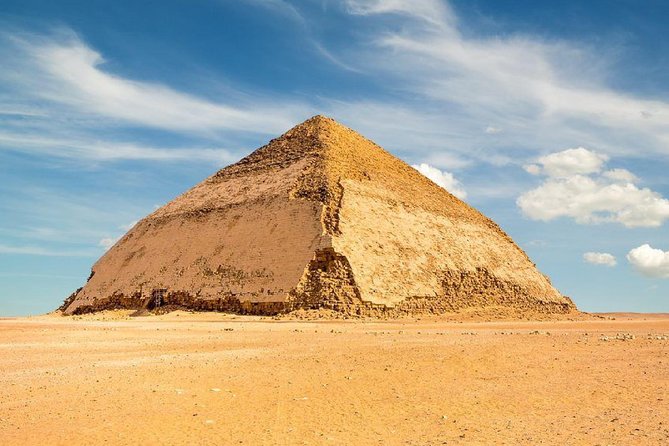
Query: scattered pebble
[658,337]
[618,337]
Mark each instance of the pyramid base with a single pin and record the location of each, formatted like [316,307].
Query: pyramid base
[328,284]
[411,307]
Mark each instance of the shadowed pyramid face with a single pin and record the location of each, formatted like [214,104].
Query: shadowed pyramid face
[318,218]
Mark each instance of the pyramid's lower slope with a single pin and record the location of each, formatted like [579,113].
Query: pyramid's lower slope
[319,218]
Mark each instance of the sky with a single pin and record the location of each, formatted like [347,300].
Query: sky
[552,118]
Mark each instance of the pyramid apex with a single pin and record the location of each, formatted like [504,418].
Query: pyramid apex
[318,122]
[321,118]
[317,128]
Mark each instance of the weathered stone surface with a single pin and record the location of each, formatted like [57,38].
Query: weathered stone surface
[318,218]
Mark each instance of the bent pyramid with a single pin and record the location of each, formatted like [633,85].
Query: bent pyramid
[318,218]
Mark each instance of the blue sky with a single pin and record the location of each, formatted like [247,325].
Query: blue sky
[553,119]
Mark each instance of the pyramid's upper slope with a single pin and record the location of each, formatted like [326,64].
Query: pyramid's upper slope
[302,141]
[328,153]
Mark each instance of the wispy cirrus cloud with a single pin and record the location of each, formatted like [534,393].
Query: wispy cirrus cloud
[476,98]
[542,93]
[66,71]
[60,99]
[42,221]
[88,148]
[434,12]
[281,7]
[41,251]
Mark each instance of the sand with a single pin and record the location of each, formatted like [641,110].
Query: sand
[219,379]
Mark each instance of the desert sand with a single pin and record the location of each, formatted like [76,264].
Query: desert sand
[218,379]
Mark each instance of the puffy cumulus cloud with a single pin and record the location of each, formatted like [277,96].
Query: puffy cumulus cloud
[649,261]
[622,175]
[576,187]
[600,258]
[569,162]
[443,179]
[589,200]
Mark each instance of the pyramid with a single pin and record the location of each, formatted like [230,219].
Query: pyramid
[320,217]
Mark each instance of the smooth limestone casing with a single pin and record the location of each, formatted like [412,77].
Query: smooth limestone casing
[320,217]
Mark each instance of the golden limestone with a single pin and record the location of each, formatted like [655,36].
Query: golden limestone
[319,218]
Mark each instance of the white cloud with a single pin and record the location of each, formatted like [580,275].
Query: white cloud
[129,226]
[92,149]
[589,200]
[571,161]
[649,261]
[532,169]
[621,175]
[70,72]
[20,111]
[447,160]
[281,7]
[542,93]
[73,106]
[48,222]
[327,54]
[443,179]
[41,251]
[62,101]
[492,130]
[600,258]
[599,197]
[287,10]
[108,242]
[434,12]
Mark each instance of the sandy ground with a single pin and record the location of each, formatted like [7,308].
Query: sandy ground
[216,379]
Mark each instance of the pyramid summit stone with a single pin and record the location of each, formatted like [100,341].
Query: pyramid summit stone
[320,217]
